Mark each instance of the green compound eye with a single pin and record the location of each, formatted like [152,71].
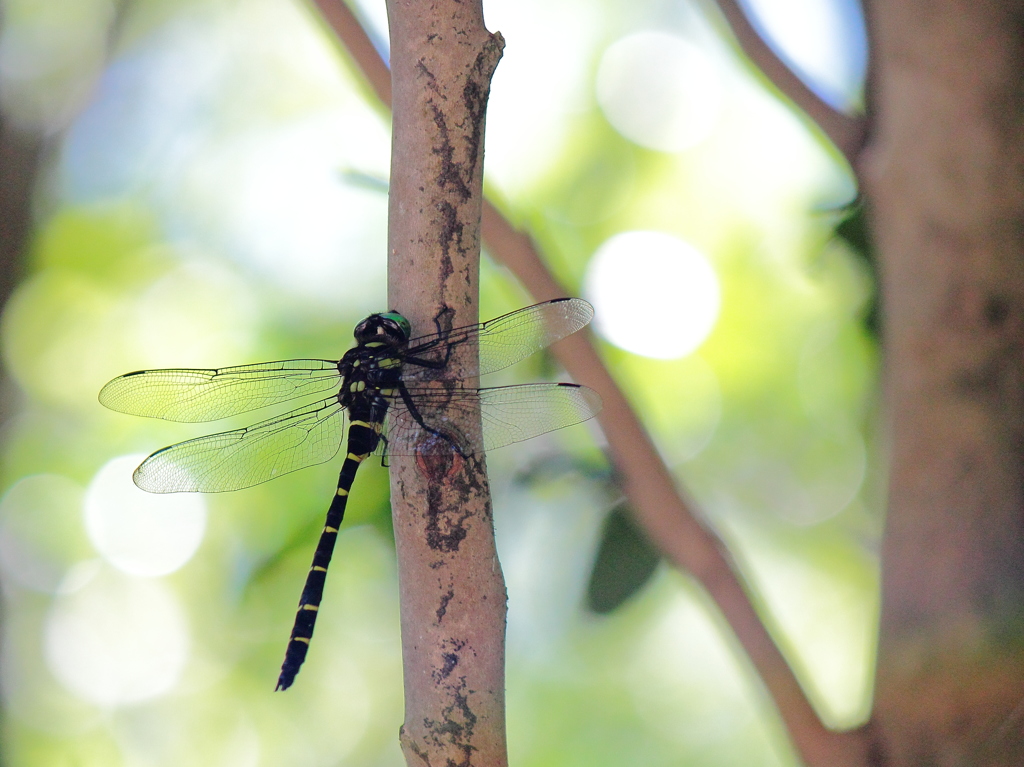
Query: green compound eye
[401,321]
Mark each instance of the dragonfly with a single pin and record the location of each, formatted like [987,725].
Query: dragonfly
[399,395]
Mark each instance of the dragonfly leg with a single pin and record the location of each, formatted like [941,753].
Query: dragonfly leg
[442,337]
[433,364]
[415,413]
[445,312]
[442,334]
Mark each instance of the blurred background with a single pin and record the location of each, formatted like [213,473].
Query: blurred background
[209,187]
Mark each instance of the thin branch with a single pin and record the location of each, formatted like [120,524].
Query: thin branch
[667,518]
[358,45]
[846,132]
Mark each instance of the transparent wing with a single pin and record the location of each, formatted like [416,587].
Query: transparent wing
[509,414]
[504,340]
[206,395]
[246,457]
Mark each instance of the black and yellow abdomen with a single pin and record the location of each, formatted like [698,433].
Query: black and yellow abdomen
[367,407]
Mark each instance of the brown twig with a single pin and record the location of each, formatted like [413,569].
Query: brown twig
[668,519]
[359,46]
[650,488]
[846,132]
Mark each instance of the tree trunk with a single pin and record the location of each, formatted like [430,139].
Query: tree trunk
[21,153]
[451,587]
[944,177]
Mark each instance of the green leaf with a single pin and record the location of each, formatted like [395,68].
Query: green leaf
[625,562]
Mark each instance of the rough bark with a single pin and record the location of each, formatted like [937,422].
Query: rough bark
[944,176]
[451,587]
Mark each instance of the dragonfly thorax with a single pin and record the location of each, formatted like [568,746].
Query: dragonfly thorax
[368,369]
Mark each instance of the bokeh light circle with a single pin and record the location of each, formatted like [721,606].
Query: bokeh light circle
[659,91]
[137,532]
[655,295]
[117,640]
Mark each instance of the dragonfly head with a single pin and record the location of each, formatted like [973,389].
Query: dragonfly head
[389,327]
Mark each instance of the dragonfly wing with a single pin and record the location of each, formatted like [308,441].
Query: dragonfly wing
[509,414]
[504,340]
[516,413]
[206,395]
[242,458]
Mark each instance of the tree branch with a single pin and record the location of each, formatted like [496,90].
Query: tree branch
[451,588]
[358,45]
[669,519]
[845,132]
[666,517]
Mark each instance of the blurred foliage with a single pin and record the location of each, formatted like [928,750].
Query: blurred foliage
[216,199]
[853,230]
[625,561]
